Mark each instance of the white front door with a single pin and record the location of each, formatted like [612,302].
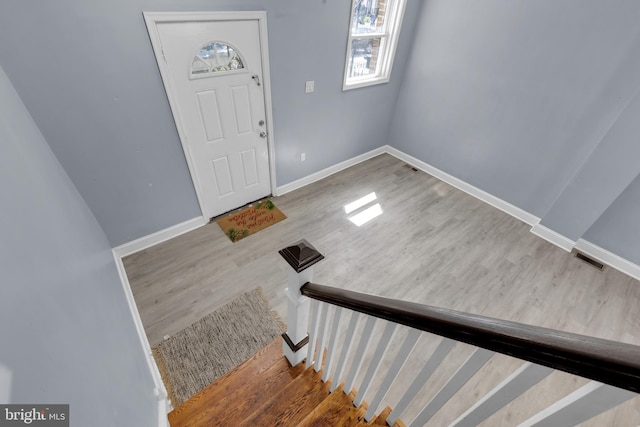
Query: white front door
[215,82]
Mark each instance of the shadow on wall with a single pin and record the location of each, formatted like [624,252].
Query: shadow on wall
[5,384]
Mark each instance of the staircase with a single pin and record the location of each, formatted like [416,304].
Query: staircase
[266,391]
[333,329]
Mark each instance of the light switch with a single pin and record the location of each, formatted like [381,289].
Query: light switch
[309,86]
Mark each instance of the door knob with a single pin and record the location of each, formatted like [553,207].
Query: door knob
[263,134]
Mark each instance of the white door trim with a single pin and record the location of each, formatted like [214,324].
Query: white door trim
[160,391]
[152,19]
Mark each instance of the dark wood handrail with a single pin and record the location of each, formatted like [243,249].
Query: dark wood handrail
[609,362]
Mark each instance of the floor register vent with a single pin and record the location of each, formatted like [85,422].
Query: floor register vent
[592,262]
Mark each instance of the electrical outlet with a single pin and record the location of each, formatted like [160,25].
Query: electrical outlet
[303,157]
[309,86]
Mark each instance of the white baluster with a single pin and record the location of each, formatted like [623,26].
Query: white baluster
[585,403]
[332,343]
[472,365]
[346,347]
[425,373]
[381,349]
[397,364]
[359,357]
[324,308]
[525,377]
[313,332]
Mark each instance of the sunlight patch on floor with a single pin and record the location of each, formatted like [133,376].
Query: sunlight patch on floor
[366,215]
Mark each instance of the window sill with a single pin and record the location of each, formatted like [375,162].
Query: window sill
[364,83]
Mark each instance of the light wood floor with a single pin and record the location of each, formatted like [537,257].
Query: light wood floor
[432,244]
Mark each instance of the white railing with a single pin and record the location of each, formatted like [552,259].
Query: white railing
[357,332]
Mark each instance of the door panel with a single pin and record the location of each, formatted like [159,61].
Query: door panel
[241,108]
[222,174]
[221,110]
[250,167]
[208,103]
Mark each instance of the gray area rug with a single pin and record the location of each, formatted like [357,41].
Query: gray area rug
[196,356]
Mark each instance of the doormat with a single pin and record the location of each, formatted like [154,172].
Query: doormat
[251,219]
[203,352]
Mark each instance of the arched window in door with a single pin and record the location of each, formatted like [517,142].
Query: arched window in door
[216,57]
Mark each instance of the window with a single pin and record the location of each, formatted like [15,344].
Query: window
[216,57]
[373,35]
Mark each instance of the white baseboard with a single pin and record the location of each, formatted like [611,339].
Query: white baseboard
[163,409]
[608,258]
[159,237]
[164,405]
[160,390]
[490,199]
[552,237]
[309,179]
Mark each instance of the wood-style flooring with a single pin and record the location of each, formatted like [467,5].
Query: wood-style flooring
[432,244]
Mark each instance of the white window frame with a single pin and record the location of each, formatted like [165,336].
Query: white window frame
[386,52]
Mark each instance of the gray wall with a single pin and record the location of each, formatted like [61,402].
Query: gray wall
[521,99]
[308,42]
[618,229]
[612,166]
[87,73]
[67,334]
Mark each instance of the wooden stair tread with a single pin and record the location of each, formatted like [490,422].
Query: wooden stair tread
[266,390]
[379,420]
[336,410]
[292,404]
[255,365]
[237,393]
[234,408]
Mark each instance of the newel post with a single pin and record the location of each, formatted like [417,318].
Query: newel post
[301,256]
